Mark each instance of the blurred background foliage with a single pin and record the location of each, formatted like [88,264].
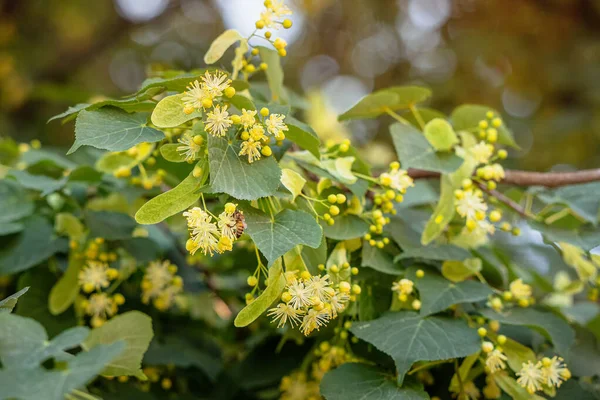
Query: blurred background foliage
[538,61]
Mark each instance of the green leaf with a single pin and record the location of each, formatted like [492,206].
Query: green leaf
[292,181]
[379,260]
[303,135]
[14,203]
[35,304]
[463,370]
[467,117]
[42,183]
[437,293]
[414,151]
[40,383]
[517,354]
[112,129]
[68,224]
[8,228]
[583,199]
[271,294]
[408,337]
[458,271]
[341,169]
[24,342]
[220,45]
[170,153]
[346,227]
[360,381]
[242,102]
[440,134]
[313,257]
[172,202]
[110,162]
[181,353]
[435,252]
[27,249]
[553,327]
[289,228]
[65,291]
[109,225]
[585,237]
[443,213]
[133,327]
[9,303]
[85,173]
[274,73]
[70,113]
[235,176]
[394,98]
[169,112]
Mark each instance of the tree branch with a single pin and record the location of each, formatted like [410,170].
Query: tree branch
[527,178]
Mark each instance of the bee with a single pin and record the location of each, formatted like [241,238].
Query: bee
[240,223]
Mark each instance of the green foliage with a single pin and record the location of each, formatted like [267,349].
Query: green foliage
[275,236]
[275,286]
[135,329]
[408,337]
[362,381]
[112,129]
[395,98]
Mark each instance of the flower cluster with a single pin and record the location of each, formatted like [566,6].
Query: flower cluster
[311,301]
[93,279]
[272,18]
[202,95]
[404,289]
[212,234]
[519,293]
[549,372]
[296,386]
[257,132]
[161,285]
[394,184]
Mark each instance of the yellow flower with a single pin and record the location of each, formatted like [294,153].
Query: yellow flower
[218,121]
[470,204]
[215,84]
[554,371]
[482,152]
[251,148]
[396,179]
[227,224]
[520,290]
[248,118]
[275,124]
[204,233]
[257,132]
[320,287]
[189,148]
[403,286]
[337,303]
[94,276]
[295,387]
[100,306]
[279,8]
[530,377]
[284,313]
[300,295]
[160,284]
[314,320]
[195,95]
[495,361]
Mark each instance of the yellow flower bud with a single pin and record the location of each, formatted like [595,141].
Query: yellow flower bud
[495,216]
[471,225]
[482,331]
[197,172]
[340,198]
[250,68]
[420,273]
[492,135]
[268,34]
[254,52]
[345,287]
[260,24]
[344,148]
[494,326]
[287,23]
[501,339]
[487,347]
[264,111]
[286,297]
[229,92]
[266,151]
[282,52]
[187,110]
[354,271]
[88,287]
[252,281]
[166,383]
[356,289]
[496,122]
[263,66]
[207,103]
[279,44]
[334,269]
[390,194]
[416,304]
[119,299]
[483,124]
[502,154]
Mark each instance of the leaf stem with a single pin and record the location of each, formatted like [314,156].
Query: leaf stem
[459,378]
[417,115]
[396,116]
